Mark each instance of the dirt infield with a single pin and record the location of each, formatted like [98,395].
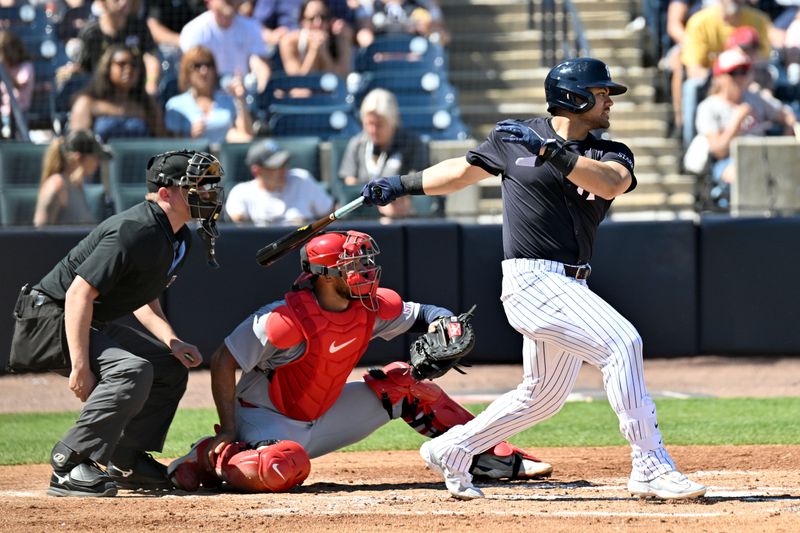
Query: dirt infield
[751,488]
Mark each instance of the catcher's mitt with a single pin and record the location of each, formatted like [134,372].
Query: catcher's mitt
[434,353]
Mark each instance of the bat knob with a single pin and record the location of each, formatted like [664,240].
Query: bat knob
[377,191]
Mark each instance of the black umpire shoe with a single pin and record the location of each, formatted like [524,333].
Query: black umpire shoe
[139,471]
[86,479]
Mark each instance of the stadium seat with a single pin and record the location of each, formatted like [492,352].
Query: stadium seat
[434,124]
[20,163]
[401,53]
[304,150]
[127,167]
[318,89]
[20,174]
[18,205]
[319,122]
[424,90]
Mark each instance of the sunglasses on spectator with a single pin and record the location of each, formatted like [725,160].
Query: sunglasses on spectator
[740,71]
[312,18]
[207,64]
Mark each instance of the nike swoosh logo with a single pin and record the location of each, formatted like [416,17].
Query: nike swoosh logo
[275,468]
[60,479]
[335,348]
[125,473]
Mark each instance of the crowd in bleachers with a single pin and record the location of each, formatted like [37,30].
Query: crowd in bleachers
[143,76]
[733,69]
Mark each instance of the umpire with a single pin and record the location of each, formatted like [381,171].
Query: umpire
[131,381]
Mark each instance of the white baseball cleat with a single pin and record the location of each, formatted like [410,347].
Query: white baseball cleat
[458,483]
[670,486]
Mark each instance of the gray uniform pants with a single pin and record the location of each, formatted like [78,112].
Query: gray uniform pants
[356,413]
[138,389]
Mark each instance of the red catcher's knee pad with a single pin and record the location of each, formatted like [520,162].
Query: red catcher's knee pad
[426,407]
[273,468]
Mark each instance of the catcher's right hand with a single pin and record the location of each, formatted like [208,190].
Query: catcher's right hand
[436,352]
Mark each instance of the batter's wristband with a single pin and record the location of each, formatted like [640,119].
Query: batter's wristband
[412,183]
[563,160]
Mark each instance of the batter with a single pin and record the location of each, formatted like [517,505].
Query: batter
[558,182]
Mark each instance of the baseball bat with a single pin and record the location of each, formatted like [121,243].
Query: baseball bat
[291,241]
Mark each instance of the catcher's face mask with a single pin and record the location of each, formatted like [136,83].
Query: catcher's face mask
[350,256]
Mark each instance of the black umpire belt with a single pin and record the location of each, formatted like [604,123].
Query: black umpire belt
[577,272]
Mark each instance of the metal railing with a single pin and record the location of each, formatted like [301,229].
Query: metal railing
[563,34]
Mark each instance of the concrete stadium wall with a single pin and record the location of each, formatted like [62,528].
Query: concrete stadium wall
[723,286]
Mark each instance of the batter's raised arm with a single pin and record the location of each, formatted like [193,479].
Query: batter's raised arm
[448,176]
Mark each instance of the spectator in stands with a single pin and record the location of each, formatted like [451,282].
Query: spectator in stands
[319,45]
[746,39]
[277,194]
[73,17]
[791,47]
[119,24]
[115,104]
[382,149]
[277,18]
[678,12]
[205,110]
[705,37]
[166,19]
[418,17]
[234,40]
[17,61]
[67,163]
[730,111]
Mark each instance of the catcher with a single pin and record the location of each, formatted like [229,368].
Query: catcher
[292,401]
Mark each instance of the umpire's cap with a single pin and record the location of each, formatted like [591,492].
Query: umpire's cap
[182,168]
[567,84]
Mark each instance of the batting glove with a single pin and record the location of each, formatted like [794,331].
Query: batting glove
[526,136]
[383,191]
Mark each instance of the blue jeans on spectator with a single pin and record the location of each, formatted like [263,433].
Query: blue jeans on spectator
[692,92]
[720,191]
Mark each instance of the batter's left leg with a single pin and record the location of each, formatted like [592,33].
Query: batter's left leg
[549,375]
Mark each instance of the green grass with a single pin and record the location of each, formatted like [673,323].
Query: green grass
[27,438]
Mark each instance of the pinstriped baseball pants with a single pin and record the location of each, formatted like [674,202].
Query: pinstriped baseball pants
[564,324]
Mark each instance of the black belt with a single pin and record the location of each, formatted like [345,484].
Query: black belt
[39,298]
[577,272]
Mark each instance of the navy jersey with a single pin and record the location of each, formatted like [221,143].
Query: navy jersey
[546,216]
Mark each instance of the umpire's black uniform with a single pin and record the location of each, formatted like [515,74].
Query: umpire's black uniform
[130,258]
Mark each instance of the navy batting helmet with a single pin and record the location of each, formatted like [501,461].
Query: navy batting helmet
[567,84]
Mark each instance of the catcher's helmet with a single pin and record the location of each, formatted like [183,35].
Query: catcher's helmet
[349,255]
[567,84]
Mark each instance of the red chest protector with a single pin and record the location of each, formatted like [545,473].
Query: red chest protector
[308,386]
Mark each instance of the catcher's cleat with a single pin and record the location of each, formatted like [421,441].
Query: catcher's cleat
[514,467]
[85,479]
[458,483]
[670,486]
[139,471]
[505,461]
